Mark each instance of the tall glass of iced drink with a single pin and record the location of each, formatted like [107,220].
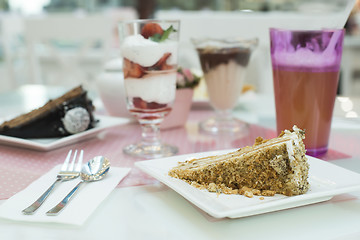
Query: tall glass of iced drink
[224,63]
[306,67]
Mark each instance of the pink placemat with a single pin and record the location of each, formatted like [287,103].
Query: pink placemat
[20,167]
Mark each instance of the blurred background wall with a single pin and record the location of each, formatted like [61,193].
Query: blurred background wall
[28,55]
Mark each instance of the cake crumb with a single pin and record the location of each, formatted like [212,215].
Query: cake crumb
[244,189]
[256,192]
[227,190]
[197,185]
[248,194]
[212,187]
[267,193]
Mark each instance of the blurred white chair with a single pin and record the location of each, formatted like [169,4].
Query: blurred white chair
[13,69]
[66,49]
[349,65]
[117,15]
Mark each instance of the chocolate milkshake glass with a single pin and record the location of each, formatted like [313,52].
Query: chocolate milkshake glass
[224,63]
[306,67]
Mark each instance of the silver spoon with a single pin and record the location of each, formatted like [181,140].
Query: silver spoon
[94,170]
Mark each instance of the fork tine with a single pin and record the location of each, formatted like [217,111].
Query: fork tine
[79,164]
[66,162]
[65,174]
[71,168]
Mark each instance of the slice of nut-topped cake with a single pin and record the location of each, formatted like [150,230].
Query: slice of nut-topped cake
[277,165]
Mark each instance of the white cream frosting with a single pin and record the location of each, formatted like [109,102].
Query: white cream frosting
[158,88]
[294,140]
[76,120]
[146,52]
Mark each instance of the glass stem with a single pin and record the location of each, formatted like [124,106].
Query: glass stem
[224,115]
[150,134]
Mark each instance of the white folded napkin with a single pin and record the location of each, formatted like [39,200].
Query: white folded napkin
[87,199]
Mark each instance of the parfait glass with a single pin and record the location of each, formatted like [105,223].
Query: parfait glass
[149,49]
[224,63]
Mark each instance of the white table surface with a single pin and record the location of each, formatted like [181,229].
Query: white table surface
[157,212]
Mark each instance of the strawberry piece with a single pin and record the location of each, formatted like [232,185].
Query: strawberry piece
[150,29]
[162,60]
[155,105]
[161,64]
[166,67]
[141,104]
[132,69]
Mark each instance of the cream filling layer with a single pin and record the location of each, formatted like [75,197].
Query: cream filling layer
[290,139]
[159,88]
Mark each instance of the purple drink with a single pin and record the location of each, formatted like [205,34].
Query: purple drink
[306,67]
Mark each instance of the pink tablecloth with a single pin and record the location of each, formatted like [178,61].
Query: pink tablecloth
[20,167]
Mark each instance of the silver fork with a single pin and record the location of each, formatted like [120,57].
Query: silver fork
[67,172]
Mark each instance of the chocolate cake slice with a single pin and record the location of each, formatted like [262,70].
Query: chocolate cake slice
[69,114]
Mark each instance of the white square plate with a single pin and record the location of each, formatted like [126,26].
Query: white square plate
[326,180]
[47,144]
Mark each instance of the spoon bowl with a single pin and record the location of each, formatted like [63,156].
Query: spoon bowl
[94,170]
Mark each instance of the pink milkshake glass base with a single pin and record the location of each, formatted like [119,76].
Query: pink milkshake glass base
[317,151]
[306,67]
[223,122]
